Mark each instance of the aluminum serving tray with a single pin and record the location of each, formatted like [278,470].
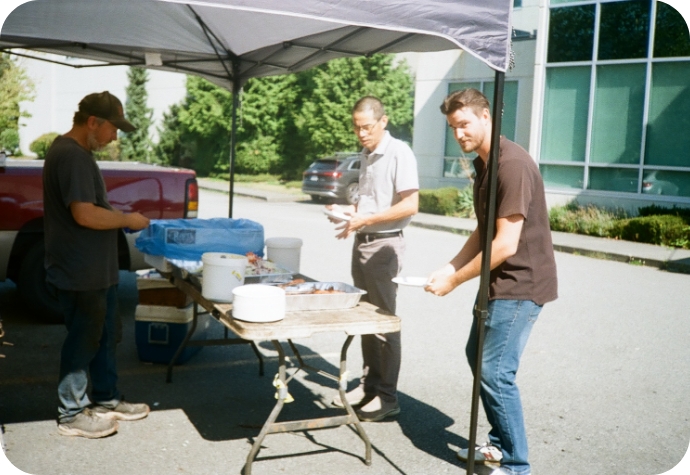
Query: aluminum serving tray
[296,297]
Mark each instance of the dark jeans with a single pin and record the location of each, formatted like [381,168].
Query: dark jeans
[93,329]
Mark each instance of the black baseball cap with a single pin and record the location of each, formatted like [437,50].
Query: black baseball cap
[106,106]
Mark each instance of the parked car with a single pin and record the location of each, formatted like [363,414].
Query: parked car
[333,178]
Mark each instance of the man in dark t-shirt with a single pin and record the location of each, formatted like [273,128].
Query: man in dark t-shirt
[81,230]
[523,275]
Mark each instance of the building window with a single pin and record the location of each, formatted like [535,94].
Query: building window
[455,162]
[617,99]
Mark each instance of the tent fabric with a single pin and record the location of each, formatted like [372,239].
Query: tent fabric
[226,40]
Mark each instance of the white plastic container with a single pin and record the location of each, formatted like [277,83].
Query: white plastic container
[284,251]
[258,303]
[222,273]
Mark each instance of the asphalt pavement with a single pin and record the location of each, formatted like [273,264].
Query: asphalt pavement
[603,379]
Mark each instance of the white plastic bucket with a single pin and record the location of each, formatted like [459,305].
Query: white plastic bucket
[222,273]
[284,252]
[258,303]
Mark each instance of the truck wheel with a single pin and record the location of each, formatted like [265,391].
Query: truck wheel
[33,288]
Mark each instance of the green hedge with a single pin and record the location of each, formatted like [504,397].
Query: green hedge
[654,225]
[447,201]
[665,230]
[41,145]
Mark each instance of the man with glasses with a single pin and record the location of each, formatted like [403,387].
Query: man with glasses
[388,198]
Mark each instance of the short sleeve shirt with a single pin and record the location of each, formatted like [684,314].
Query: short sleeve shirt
[383,175]
[77,258]
[531,273]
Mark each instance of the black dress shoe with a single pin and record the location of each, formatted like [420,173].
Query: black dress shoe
[388,409]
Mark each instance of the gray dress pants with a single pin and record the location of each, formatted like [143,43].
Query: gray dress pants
[374,263]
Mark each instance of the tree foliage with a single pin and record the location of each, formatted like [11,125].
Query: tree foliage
[284,122]
[15,87]
[137,145]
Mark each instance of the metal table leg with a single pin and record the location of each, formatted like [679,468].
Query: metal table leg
[282,394]
[271,427]
[182,346]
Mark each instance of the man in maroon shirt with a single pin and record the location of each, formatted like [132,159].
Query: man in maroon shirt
[523,274]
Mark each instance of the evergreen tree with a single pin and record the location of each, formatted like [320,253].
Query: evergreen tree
[284,122]
[15,86]
[136,146]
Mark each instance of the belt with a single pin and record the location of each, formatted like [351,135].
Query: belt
[369,237]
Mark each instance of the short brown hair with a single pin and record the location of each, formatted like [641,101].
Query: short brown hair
[470,97]
[370,103]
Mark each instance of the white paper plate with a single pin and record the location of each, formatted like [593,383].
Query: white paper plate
[411,281]
[336,215]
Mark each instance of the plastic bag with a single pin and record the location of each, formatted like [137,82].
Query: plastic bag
[189,238]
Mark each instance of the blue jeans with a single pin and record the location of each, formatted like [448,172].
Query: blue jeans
[88,351]
[507,329]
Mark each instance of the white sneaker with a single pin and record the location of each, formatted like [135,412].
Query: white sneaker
[500,471]
[482,454]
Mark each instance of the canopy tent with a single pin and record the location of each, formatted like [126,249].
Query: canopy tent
[230,41]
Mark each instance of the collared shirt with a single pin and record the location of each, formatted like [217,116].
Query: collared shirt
[384,173]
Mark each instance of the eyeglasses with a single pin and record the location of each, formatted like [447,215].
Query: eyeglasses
[365,128]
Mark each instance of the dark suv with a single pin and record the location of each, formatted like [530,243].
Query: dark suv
[333,178]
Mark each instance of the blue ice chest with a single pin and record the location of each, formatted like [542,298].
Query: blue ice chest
[159,331]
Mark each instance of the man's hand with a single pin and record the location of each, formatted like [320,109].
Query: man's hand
[137,221]
[441,282]
[346,227]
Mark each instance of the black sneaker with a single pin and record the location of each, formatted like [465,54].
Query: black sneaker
[87,424]
[124,411]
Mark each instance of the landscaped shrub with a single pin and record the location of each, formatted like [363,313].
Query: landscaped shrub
[655,210]
[441,201]
[9,141]
[41,145]
[589,220]
[666,230]
[447,201]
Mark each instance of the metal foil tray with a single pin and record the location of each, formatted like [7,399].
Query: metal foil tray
[297,297]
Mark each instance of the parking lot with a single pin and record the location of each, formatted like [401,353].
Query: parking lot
[604,378]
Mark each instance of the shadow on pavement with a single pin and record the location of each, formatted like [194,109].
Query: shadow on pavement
[218,389]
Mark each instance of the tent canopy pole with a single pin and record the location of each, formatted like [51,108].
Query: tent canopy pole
[236,86]
[481,308]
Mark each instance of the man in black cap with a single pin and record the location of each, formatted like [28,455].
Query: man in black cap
[81,232]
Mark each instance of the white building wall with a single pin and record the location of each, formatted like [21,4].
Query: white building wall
[60,88]
[435,71]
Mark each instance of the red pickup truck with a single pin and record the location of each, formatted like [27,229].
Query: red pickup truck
[155,191]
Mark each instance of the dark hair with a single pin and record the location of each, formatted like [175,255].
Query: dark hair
[470,97]
[370,103]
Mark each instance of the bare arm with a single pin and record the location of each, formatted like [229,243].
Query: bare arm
[407,206]
[467,263]
[94,217]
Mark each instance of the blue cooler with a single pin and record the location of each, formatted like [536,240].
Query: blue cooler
[159,331]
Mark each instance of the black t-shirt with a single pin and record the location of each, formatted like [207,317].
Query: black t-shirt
[77,258]
[531,273]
